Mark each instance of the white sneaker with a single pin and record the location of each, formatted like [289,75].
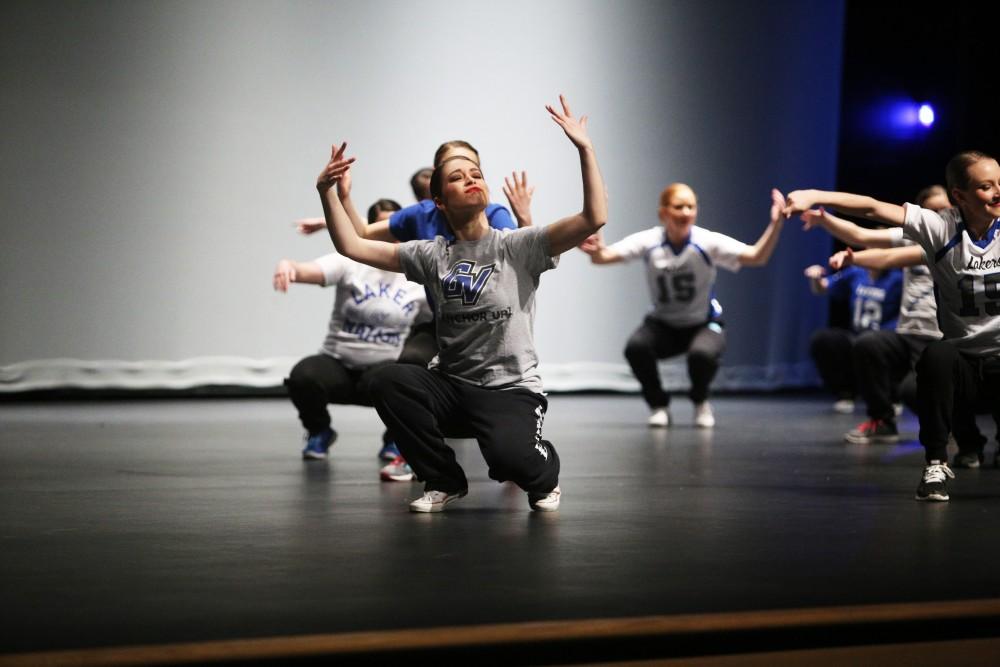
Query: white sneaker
[659,418]
[435,501]
[844,406]
[703,417]
[545,502]
[897,408]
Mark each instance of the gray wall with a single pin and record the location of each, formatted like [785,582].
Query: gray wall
[155,154]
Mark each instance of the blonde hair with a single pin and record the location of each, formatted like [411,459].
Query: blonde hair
[956,173]
[448,145]
[671,190]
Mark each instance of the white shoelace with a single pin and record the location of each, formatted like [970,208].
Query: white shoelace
[937,472]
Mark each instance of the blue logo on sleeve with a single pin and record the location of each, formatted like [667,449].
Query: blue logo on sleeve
[465,283]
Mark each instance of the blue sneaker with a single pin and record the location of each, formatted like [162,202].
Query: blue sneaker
[317,445]
[389,451]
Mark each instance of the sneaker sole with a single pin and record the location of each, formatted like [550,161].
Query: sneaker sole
[313,456]
[877,440]
[933,497]
[436,507]
[386,477]
[549,507]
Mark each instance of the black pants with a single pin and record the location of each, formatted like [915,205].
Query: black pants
[883,369]
[422,407]
[421,345]
[654,340]
[319,380]
[831,350]
[950,387]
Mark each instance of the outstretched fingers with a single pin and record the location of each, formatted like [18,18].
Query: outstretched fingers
[336,167]
[777,205]
[575,129]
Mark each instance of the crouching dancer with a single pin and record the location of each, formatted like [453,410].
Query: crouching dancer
[484,382]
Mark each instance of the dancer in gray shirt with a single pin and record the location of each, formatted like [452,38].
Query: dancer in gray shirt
[484,383]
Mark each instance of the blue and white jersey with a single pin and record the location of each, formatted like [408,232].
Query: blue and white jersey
[682,279]
[874,302]
[966,276]
[423,221]
[372,312]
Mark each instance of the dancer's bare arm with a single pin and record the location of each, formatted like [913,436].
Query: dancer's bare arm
[573,230]
[379,254]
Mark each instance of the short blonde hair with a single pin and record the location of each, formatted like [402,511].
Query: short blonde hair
[671,190]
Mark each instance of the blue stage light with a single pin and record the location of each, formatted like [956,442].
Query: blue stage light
[926,115]
[898,118]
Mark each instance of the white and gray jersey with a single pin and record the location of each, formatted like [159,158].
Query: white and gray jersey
[966,277]
[372,312]
[682,279]
[917,309]
[483,294]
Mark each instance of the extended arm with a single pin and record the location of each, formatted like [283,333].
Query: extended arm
[760,252]
[573,230]
[599,253]
[845,230]
[879,259]
[519,195]
[289,271]
[344,194]
[859,205]
[379,254]
[818,283]
[378,231]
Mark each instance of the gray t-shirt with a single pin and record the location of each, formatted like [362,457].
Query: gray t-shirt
[917,309]
[483,295]
[372,313]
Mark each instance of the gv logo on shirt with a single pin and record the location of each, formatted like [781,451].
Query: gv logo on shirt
[465,283]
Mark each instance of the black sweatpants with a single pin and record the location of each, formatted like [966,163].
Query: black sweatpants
[654,340]
[883,366]
[422,407]
[421,345]
[831,350]
[319,380]
[949,387]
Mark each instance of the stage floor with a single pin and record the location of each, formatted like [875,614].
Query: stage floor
[136,522]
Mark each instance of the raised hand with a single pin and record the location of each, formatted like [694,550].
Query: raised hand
[519,195]
[798,201]
[344,185]
[778,204]
[814,272]
[334,169]
[842,259]
[575,129]
[284,275]
[308,226]
[814,217]
[592,244]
